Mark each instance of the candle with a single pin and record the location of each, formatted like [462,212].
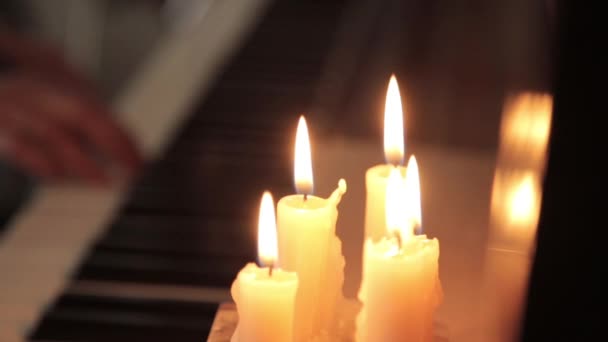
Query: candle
[376,177]
[265,296]
[400,289]
[309,246]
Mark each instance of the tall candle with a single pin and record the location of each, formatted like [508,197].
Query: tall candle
[400,289]
[377,176]
[309,246]
[265,296]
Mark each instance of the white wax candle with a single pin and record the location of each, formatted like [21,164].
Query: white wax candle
[377,176]
[265,296]
[375,198]
[265,304]
[400,289]
[309,246]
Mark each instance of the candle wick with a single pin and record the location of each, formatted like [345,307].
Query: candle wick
[305,197]
[399,240]
[270,268]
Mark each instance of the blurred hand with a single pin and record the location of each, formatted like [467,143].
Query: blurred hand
[42,60]
[51,123]
[55,132]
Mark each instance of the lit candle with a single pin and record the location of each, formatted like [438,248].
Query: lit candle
[377,176]
[265,296]
[309,246]
[400,289]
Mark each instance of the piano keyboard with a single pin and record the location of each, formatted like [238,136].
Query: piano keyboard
[158,269]
[87,318]
[41,249]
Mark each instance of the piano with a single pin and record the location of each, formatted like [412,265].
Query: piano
[214,110]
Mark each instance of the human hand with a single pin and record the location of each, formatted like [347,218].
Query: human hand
[56,130]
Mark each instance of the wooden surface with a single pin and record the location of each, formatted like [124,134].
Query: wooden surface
[226,320]
[224,323]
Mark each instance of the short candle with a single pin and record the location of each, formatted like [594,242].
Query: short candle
[400,289]
[265,296]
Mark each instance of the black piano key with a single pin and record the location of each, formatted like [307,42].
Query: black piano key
[214,129]
[87,318]
[183,243]
[182,236]
[176,202]
[216,173]
[154,267]
[210,186]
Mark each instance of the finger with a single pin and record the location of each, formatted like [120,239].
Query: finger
[27,157]
[112,141]
[41,59]
[88,119]
[64,148]
[16,147]
[75,160]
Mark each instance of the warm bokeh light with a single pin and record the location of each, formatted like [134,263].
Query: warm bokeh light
[302,160]
[412,194]
[522,201]
[393,124]
[517,190]
[516,201]
[525,129]
[396,210]
[267,232]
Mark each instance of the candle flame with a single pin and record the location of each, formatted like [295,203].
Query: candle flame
[267,231]
[396,216]
[393,124]
[412,200]
[302,161]
[522,205]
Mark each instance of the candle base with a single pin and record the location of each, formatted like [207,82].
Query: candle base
[226,320]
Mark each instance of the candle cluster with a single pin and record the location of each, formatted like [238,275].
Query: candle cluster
[295,295]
